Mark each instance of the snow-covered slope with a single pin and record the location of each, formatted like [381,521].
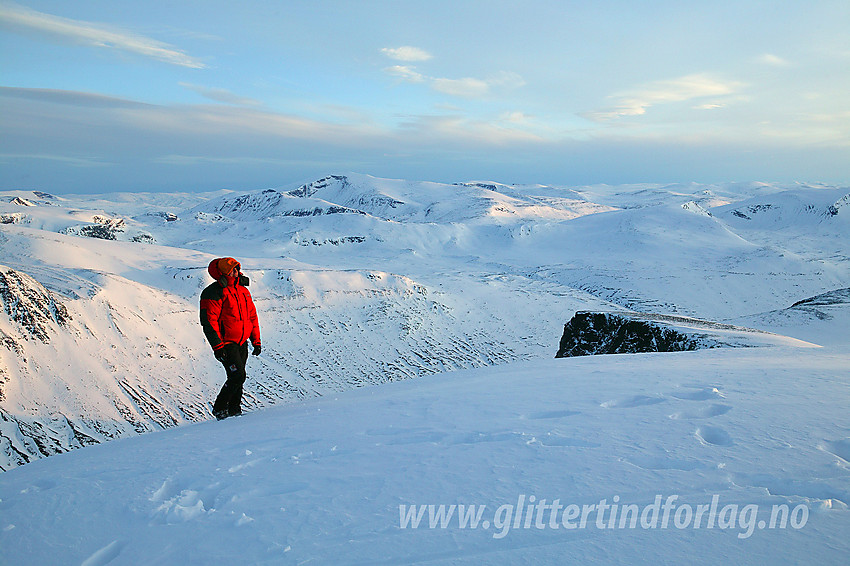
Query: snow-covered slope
[712,457]
[361,281]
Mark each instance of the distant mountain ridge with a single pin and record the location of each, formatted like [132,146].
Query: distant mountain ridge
[271,203]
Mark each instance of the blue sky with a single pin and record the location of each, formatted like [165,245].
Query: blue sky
[195,95]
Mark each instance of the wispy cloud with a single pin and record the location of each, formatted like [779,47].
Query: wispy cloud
[94,35]
[192,160]
[515,117]
[470,87]
[221,95]
[464,131]
[406,53]
[82,162]
[405,73]
[70,98]
[70,115]
[506,79]
[465,87]
[636,102]
[772,60]
[709,106]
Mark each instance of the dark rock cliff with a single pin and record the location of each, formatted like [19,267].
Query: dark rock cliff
[590,333]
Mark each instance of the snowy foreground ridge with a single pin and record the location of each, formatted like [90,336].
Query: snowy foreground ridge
[335,480]
[498,453]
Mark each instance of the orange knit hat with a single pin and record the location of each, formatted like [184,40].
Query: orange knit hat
[226,265]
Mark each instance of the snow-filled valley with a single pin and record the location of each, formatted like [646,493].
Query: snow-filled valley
[459,293]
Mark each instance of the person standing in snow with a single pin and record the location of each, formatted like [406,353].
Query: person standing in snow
[229,320]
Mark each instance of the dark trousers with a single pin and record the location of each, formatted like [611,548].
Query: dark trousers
[229,399]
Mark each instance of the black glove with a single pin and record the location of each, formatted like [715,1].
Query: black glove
[257,350]
[220,355]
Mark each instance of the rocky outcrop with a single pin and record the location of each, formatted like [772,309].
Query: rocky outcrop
[308,190]
[841,204]
[831,298]
[590,333]
[627,332]
[31,307]
[271,203]
[102,228]
[14,218]
[21,202]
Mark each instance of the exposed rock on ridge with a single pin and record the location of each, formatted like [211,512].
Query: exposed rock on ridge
[590,333]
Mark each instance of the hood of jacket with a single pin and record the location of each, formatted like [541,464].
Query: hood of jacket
[221,265]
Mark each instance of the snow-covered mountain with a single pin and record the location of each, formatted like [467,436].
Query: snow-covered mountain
[361,281]
[736,423]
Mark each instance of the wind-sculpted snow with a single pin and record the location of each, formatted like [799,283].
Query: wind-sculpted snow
[361,281]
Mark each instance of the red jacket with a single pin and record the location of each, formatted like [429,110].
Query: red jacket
[228,314]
